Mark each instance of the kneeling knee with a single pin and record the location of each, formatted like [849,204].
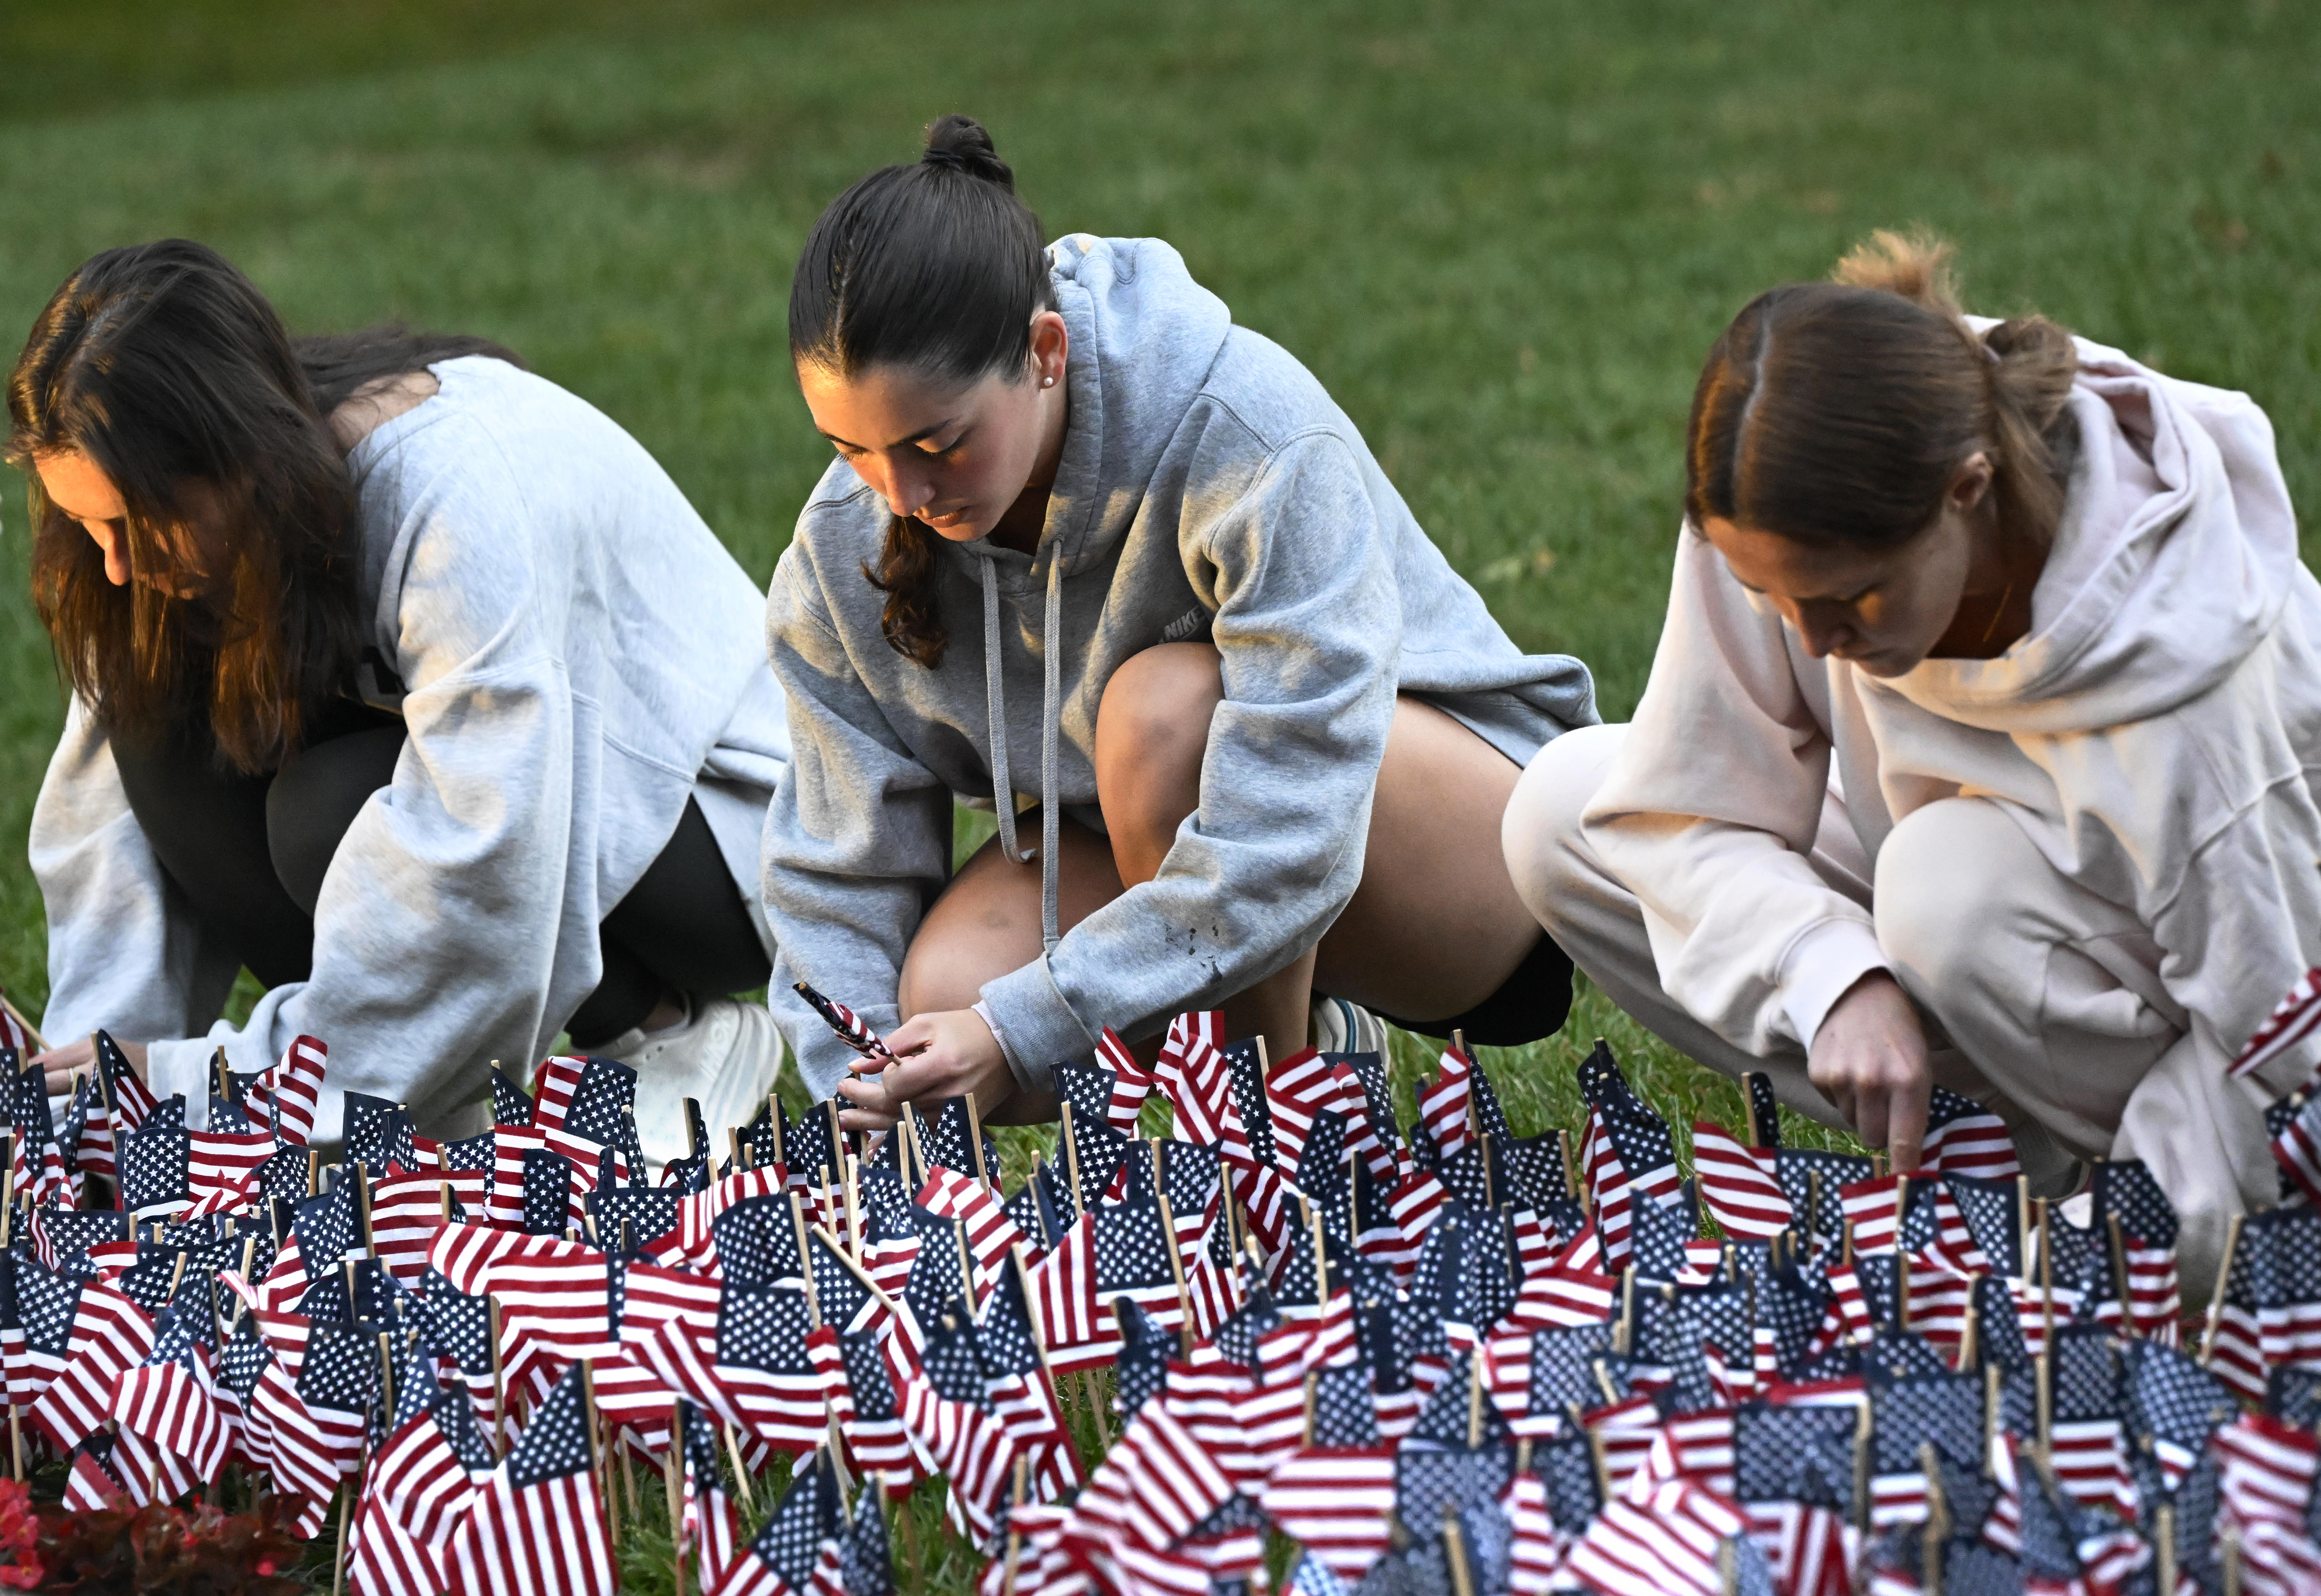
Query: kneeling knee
[1942,881]
[1540,832]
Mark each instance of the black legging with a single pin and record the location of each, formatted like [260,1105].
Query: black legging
[249,853]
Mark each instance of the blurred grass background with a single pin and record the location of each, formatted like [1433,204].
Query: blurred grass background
[1503,234]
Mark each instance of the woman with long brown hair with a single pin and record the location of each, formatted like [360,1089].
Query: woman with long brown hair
[401,678]
[1980,749]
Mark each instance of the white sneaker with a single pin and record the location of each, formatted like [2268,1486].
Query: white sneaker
[1341,1027]
[724,1056]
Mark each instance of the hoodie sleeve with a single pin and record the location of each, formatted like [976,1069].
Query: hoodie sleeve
[125,956]
[1306,620]
[1709,813]
[857,840]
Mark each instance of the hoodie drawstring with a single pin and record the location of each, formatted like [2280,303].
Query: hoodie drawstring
[995,694]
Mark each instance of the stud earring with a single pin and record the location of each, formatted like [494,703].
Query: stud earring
[1047,382]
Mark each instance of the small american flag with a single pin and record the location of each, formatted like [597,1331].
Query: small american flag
[1444,1108]
[797,1553]
[93,1335]
[1132,1083]
[283,1100]
[2292,1019]
[846,1023]
[945,1409]
[1737,1183]
[709,1521]
[1963,1137]
[1193,1072]
[170,1399]
[538,1525]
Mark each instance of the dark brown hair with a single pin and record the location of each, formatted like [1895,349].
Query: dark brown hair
[167,370]
[1836,413]
[937,266]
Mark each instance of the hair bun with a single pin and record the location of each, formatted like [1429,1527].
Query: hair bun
[960,143]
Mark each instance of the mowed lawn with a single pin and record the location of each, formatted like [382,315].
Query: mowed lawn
[1503,234]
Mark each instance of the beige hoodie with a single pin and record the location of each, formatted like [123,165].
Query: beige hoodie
[2155,735]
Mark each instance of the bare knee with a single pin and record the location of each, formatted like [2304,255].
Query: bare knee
[986,923]
[1151,733]
[1540,831]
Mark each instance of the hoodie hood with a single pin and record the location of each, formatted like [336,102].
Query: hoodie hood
[1143,338]
[2176,553]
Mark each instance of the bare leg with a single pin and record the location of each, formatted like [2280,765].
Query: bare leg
[987,923]
[1152,733]
[1434,927]
[1437,925]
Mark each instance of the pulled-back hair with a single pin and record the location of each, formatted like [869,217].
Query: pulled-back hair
[936,268]
[167,370]
[1836,413]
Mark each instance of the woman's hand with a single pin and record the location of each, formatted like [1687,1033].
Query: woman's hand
[936,1056]
[77,1058]
[1870,1059]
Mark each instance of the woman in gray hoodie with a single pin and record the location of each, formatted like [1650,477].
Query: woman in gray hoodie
[404,679]
[1088,543]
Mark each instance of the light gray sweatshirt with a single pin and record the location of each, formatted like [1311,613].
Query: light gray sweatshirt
[573,654]
[1209,489]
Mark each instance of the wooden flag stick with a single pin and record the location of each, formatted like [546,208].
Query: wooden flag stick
[1454,1548]
[2216,1297]
[1313,1394]
[1175,1270]
[672,1464]
[2046,1280]
[1994,1404]
[2023,1224]
[1016,1491]
[741,1474]
[346,1503]
[966,1263]
[1938,1523]
[975,1147]
[774,1123]
[1071,1159]
[2164,1537]
[591,1422]
[805,1262]
[1475,1398]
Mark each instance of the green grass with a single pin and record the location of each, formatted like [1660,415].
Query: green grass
[1503,234]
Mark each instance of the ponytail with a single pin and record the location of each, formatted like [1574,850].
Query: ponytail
[909,575]
[1837,413]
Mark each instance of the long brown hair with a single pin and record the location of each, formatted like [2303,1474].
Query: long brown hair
[167,370]
[937,266]
[1836,413]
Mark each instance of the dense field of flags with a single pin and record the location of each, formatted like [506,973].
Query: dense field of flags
[1448,1360]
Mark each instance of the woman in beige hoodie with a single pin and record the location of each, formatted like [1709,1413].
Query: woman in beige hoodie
[1979,747]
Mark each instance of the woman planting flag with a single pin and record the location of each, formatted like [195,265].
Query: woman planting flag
[1088,543]
[1978,748]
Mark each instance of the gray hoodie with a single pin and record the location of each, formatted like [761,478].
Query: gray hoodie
[1209,489]
[573,655]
